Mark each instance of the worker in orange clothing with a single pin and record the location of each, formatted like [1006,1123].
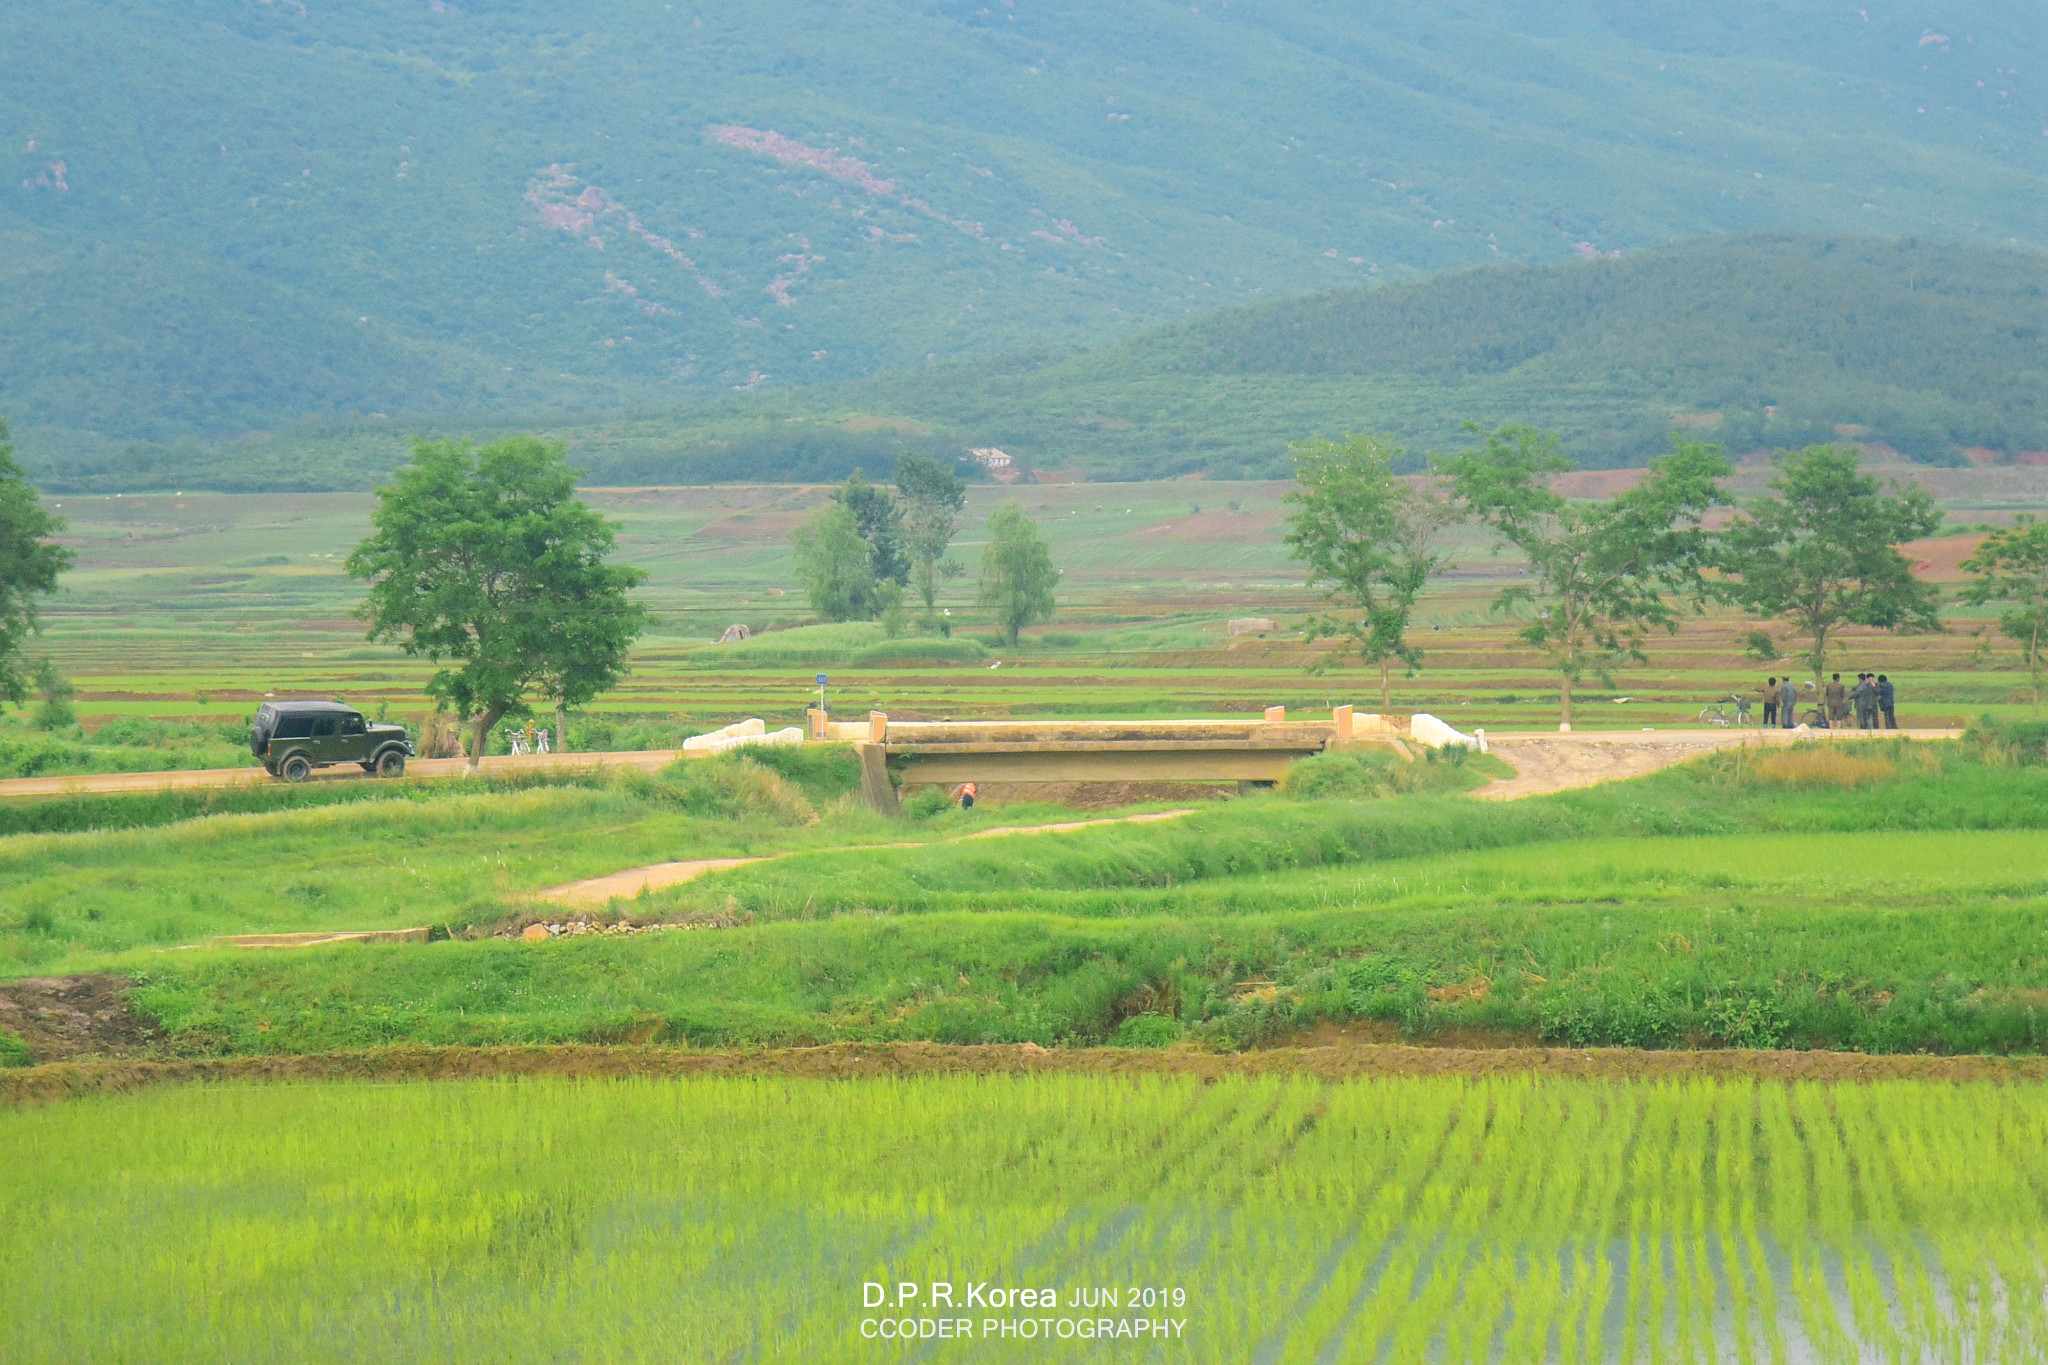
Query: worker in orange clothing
[966,795]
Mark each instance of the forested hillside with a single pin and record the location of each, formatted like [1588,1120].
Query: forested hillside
[233,215]
[1748,341]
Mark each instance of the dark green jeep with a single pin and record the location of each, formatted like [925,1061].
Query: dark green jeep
[295,737]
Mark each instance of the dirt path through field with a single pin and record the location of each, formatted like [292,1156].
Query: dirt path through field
[1556,762]
[854,1061]
[634,880]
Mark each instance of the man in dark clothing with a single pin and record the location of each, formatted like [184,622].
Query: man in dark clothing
[1838,702]
[1788,704]
[1770,703]
[1886,697]
[1865,698]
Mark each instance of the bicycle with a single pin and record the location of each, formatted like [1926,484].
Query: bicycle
[515,741]
[1716,712]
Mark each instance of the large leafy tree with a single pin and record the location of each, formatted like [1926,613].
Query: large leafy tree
[29,565]
[880,522]
[932,496]
[2011,566]
[837,565]
[1602,575]
[486,562]
[1367,539]
[1017,576]
[1821,552]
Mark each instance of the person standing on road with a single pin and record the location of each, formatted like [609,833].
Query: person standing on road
[1886,697]
[1770,703]
[1788,704]
[1862,697]
[1838,702]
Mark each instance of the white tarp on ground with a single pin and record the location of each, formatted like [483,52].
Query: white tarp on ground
[1432,733]
[738,735]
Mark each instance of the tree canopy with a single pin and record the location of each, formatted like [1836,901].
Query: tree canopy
[29,566]
[880,523]
[1820,552]
[485,561]
[1601,575]
[837,566]
[1017,576]
[2011,566]
[1366,538]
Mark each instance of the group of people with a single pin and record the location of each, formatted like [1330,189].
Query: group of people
[1872,699]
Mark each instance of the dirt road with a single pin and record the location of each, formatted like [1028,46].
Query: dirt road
[1554,762]
[199,778]
[634,880]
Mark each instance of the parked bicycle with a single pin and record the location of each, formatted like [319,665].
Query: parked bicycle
[526,739]
[1729,710]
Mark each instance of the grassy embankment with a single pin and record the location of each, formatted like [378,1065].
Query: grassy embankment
[1885,901]
[1393,1219]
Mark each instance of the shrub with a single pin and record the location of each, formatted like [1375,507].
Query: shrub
[730,786]
[824,771]
[2009,743]
[1147,1030]
[13,1051]
[923,805]
[1343,775]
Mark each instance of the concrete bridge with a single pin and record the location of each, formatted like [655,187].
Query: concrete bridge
[1249,752]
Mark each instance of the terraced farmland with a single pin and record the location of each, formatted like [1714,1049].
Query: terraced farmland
[193,607]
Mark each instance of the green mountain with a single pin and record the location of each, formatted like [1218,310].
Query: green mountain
[236,215]
[1751,341]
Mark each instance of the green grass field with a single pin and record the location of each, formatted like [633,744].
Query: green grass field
[1407,1220]
[1889,902]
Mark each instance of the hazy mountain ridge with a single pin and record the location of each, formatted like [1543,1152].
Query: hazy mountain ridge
[1751,341]
[232,214]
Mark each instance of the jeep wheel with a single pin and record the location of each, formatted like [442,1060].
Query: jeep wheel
[391,764]
[297,768]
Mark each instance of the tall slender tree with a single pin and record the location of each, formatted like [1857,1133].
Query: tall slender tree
[932,496]
[1367,539]
[2011,566]
[29,566]
[1821,552]
[485,561]
[1602,576]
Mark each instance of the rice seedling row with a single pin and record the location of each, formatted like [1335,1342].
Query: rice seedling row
[1278,1219]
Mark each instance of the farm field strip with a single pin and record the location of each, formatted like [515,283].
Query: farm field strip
[230,597]
[1509,1219]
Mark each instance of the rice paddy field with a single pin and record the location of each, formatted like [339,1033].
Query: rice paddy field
[193,607]
[1036,1218]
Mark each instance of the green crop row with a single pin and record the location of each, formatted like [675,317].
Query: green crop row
[1284,1220]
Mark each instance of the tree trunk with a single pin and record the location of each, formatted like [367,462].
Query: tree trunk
[561,727]
[1564,703]
[1386,694]
[480,735]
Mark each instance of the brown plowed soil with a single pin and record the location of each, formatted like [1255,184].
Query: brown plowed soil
[62,1017]
[849,1061]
